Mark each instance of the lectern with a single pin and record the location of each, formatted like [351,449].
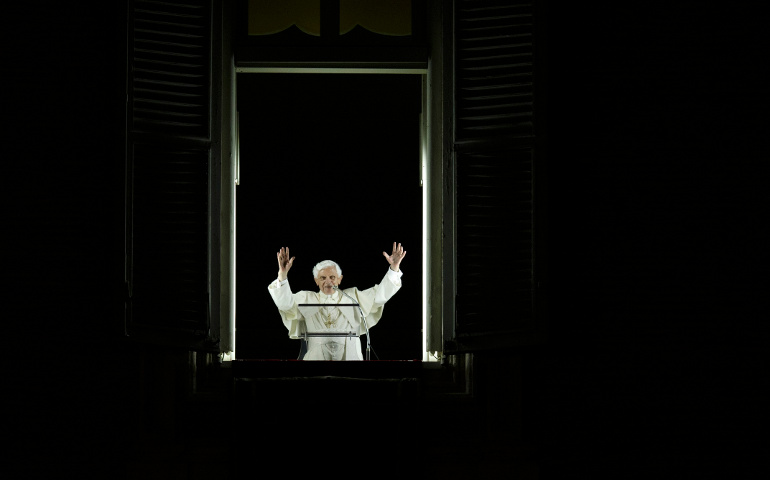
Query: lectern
[310,309]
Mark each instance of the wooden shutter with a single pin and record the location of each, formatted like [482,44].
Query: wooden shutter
[168,171]
[494,166]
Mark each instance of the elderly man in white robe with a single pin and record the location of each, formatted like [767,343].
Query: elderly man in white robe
[333,319]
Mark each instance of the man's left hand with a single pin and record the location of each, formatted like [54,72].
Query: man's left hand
[394,259]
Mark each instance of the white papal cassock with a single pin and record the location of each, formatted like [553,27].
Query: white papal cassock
[333,318]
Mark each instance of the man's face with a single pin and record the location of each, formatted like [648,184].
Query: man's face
[327,278]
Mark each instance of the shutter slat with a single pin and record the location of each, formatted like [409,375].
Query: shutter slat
[494,239]
[169,160]
[171,58]
[494,51]
[170,237]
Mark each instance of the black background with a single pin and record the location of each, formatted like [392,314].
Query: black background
[657,168]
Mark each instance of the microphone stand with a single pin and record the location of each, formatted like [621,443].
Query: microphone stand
[368,341]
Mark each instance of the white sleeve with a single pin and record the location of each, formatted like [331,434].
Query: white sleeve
[388,287]
[286,302]
[281,293]
[372,300]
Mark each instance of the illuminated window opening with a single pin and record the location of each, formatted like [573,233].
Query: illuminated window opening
[424,170]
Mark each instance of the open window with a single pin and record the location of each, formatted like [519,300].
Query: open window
[331,165]
[330,53]
[480,156]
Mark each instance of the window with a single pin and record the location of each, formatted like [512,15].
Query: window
[302,134]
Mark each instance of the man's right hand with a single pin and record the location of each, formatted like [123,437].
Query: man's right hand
[284,263]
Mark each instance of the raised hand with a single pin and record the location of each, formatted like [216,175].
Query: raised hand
[394,259]
[284,263]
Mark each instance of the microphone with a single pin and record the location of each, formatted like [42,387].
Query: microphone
[335,287]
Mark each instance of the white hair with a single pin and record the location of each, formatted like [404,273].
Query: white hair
[326,263]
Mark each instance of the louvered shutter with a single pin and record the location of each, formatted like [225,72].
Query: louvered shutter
[494,166]
[169,156]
